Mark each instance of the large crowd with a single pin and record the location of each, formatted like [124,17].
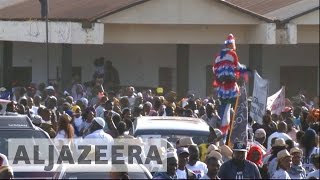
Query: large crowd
[283,147]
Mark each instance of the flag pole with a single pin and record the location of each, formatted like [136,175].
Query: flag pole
[231,122]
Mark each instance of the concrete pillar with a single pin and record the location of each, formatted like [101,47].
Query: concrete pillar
[287,33]
[6,67]
[255,62]
[66,70]
[182,69]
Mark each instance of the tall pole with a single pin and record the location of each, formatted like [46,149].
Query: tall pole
[44,14]
[47,40]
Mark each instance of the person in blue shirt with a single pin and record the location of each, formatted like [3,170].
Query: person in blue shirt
[238,167]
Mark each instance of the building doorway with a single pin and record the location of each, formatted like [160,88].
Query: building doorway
[300,78]
[21,76]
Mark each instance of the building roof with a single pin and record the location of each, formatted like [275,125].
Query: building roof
[92,10]
[6,3]
[66,10]
[276,10]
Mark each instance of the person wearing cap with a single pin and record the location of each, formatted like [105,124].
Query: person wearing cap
[281,133]
[213,162]
[296,171]
[50,91]
[183,158]
[96,130]
[238,167]
[97,136]
[284,164]
[171,160]
[37,120]
[259,139]
[272,162]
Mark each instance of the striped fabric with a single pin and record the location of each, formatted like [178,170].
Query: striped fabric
[227,70]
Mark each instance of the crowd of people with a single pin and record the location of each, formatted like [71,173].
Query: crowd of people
[283,147]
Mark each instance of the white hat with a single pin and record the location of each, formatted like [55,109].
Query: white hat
[171,153]
[100,121]
[282,154]
[5,161]
[279,143]
[295,150]
[49,87]
[185,142]
[260,133]
[37,119]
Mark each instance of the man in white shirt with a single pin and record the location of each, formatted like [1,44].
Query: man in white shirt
[195,165]
[282,129]
[97,136]
[183,157]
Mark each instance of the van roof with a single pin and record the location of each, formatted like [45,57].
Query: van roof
[167,123]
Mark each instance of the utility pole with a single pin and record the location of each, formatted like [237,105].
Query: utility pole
[45,13]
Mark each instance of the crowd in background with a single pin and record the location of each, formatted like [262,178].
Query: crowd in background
[285,146]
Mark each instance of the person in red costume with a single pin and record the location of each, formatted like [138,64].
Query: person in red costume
[227,70]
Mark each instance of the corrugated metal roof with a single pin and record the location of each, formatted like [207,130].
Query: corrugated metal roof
[262,6]
[91,10]
[6,3]
[293,10]
[75,10]
[281,10]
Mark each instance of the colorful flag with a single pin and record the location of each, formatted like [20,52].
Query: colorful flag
[225,119]
[238,130]
[259,98]
[276,102]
